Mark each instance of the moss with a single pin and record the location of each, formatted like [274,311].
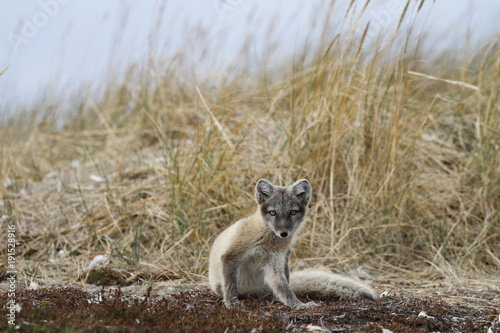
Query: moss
[107,277]
[74,310]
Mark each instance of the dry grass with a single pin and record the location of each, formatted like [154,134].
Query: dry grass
[403,156]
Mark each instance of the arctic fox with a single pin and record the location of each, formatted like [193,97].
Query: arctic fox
[251,256]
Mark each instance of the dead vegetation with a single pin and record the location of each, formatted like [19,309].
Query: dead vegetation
[403,155]
[198,310]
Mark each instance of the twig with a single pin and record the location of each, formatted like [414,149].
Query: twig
[217,124]
[4,70]
[458,83]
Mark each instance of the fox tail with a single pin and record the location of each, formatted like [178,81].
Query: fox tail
[322,284]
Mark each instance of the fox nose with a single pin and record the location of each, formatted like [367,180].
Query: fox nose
[284,234]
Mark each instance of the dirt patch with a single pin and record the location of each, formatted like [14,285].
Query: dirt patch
[73,309]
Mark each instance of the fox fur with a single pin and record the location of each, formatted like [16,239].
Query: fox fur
[251,256]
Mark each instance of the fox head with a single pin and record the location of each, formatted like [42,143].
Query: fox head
[283,208]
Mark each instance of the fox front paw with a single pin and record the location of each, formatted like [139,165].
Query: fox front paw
[301,305]
[310,305]
[231,303]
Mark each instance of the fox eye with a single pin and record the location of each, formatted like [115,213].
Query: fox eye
[293,212]
[272,212]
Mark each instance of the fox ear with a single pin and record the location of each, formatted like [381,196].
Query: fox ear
[302,190]
[263,190]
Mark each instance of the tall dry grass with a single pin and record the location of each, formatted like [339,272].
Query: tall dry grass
[403,155]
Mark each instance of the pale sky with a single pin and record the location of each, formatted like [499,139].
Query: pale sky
[57,44]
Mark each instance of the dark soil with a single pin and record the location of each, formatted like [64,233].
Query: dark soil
[72,309]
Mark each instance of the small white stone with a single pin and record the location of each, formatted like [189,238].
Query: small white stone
[7,183]
[315,328]
[428,137]
[100,259]
[160,160]
[425,315]
[97,179]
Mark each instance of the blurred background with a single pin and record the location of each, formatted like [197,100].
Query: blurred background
[54,47]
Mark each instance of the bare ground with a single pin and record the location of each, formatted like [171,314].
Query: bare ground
[187,307]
